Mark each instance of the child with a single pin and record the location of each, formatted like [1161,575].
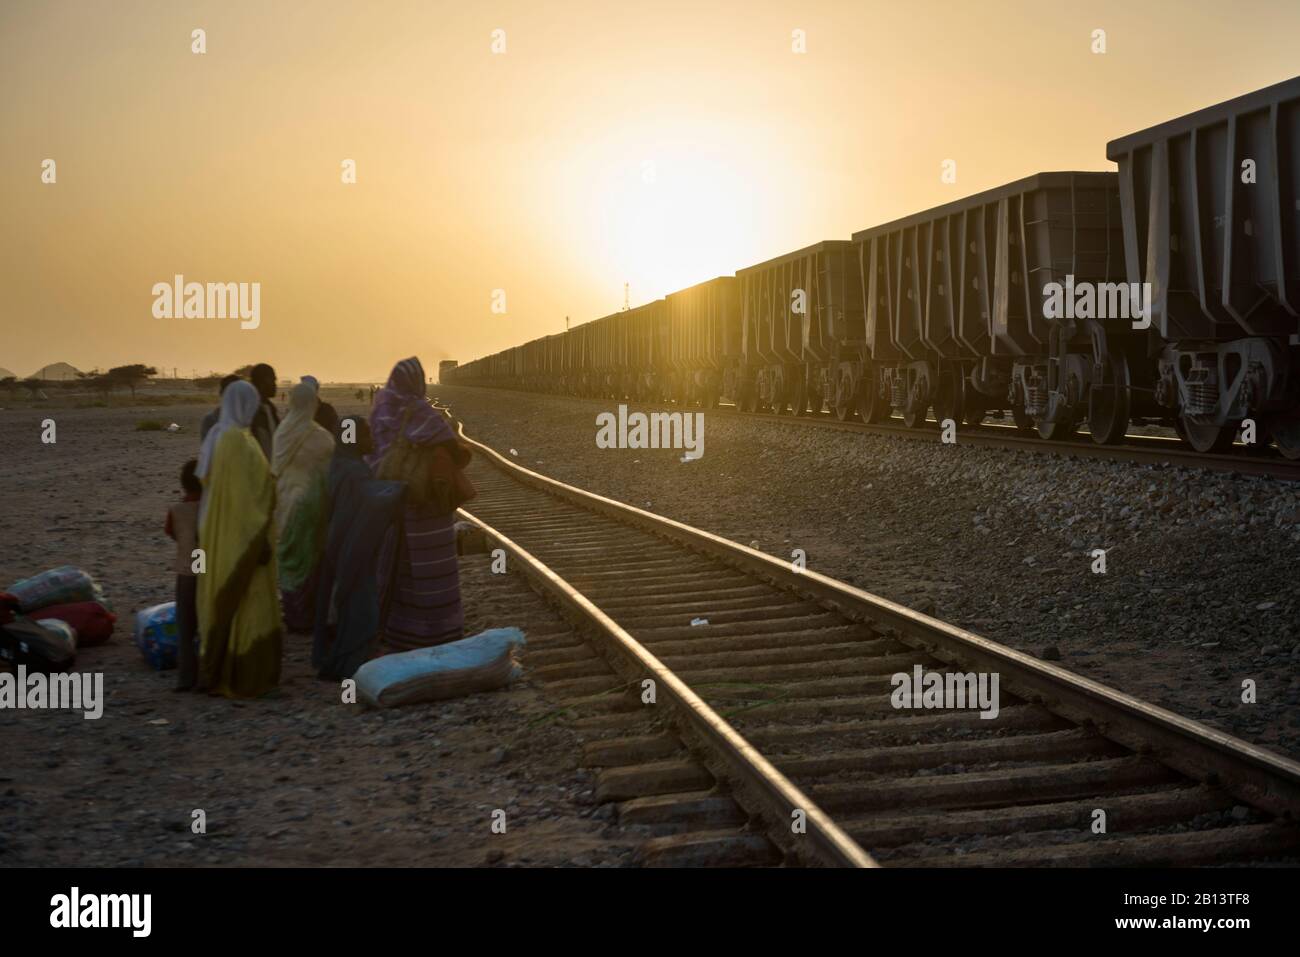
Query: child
[183,526]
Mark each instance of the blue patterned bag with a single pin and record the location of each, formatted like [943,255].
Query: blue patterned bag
[155,635]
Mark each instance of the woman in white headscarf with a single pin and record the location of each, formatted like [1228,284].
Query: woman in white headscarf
[239,404]
[238,616]
[300,460]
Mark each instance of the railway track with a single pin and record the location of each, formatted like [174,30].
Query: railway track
[1139,449]
[783,698]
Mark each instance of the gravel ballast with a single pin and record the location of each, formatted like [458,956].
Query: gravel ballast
[1199,593]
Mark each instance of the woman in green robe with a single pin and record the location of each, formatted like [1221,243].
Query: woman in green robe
[300,461]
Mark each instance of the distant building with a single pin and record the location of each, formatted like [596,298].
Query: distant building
[444,365]
[56,372]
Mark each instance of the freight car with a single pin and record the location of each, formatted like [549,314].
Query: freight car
[801,314]
[1166,292]
[1212,222]
[956,316]
[705,359]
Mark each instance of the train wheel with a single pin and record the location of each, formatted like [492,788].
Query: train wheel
[872,406]
[799,399]
[975,412]
[1062,428]
[1264,438]
[1286,436]
[1024,421]
[949,398]
[1108,404]
[846,404]
[915,418]
[778,402]
[1207,437]
[843,402]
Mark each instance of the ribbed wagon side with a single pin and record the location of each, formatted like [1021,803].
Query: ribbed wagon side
[647,337]
[492,372]
[704,342]
[604,359]
[532,352]
[965,309]
[575,361]
[1211,211]
[553,362]
[801,319]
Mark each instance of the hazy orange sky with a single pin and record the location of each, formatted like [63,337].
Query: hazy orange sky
[657,144]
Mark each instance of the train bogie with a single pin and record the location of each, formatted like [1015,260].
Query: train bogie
[1211,206]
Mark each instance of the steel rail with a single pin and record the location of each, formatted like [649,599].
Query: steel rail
[780,798]
[1136,449]
[1253,774]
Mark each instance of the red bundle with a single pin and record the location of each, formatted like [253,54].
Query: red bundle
[93,622]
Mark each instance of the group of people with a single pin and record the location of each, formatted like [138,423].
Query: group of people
[316,525]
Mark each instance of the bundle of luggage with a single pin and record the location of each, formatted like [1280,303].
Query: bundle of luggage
[157,636]
[484,662]
[46,618]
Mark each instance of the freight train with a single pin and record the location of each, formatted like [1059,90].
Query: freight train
[1165,292]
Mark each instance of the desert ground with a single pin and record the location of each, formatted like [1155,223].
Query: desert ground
[296,778]
[1200,594]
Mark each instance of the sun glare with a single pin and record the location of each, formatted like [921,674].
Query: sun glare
[666,218]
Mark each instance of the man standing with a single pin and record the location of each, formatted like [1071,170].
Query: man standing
[267,419]
[210,419]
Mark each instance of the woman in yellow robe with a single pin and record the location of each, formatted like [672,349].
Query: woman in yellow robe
[239,610]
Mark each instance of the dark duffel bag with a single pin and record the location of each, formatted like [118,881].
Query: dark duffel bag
[24,642]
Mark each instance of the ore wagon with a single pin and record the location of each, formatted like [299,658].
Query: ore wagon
[801,317]
[964,308]
[1211,214]
[704,342]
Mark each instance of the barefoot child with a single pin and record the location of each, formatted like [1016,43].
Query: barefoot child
[183,525]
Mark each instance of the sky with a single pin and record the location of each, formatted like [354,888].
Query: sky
[517,163]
